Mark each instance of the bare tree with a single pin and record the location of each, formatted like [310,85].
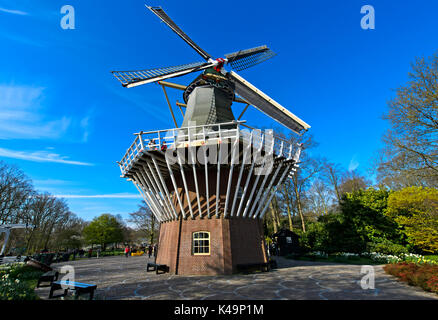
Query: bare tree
[352,181]
[15,191]
[320,197]
[145,220]
[333,173]
[411,143]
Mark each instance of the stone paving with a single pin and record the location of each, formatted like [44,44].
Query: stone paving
[121,278]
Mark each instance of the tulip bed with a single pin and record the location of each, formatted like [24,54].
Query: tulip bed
[424,275]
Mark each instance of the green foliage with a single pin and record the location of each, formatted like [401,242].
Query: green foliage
[18,282]
[364,212]
[387,247]
[315,237]
[103,230]
[416,209]
[361,224]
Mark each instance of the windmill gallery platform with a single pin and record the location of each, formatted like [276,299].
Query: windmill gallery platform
[209,186]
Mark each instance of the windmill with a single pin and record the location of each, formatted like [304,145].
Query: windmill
[209,181]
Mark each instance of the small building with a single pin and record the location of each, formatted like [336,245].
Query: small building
[287,242]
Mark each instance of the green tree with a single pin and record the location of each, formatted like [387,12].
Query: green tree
[360,224]
[416,209]
[363,212]
[103,230]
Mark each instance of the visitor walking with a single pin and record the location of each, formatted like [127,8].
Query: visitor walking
[90,252]
[126,251]
[150,250]
[98,252]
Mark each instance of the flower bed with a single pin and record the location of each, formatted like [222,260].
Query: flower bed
[374,257]
[424,275]
[18,282]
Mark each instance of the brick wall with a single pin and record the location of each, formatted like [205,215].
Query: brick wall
[232,241]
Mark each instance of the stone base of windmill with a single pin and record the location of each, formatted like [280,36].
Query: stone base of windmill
[231,242]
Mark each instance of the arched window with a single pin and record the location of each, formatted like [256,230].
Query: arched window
[201,243]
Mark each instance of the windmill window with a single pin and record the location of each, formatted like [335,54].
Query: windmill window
[201,243]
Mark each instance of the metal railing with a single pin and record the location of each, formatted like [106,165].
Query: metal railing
[201,135]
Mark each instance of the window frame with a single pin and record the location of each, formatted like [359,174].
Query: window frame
[199,239]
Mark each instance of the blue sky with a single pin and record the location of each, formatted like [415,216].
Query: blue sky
[65,121]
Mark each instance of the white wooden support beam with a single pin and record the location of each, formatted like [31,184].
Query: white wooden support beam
[230,175]
[257,198]
[160,194]
[158,208]
[185,186]
[175,187]
[266,192]
[274,191]
[192,151]
[245,154]
[166,190]
[148,201]
[248,178]
[207,195]
[218,176]
[159,190]
[154,191]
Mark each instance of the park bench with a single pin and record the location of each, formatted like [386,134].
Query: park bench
[78,287]
[249,267]
[157,267]
[49,276]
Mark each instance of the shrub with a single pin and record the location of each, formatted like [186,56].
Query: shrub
[387,247]
[15,282]
[415,209]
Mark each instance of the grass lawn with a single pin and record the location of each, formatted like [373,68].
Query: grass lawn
[432,257]
[336,259]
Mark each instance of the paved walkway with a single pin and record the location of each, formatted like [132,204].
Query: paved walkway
[126,278]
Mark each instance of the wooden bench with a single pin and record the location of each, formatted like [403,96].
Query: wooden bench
[248,267]
[49,276]
[157,267]
[78,287]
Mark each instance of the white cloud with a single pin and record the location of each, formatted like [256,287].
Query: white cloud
[21,115]
[40,156]
[11,11]
[354,164]
[100,196]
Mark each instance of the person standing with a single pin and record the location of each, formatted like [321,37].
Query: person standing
[150,250]
[126,251]
[155,251]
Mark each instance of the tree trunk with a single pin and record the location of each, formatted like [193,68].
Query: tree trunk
[274,223]
[277,212]
[289,214]
[300,210]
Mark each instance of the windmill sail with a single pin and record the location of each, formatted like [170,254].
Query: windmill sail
[245,59]
[160,13]
[267,105]
[138,77]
